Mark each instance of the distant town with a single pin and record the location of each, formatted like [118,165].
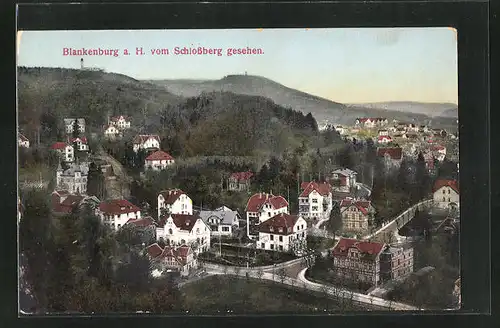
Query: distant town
[371,225]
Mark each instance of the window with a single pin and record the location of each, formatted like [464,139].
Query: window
[271,237]
[315,200]
[444,191]
[281,248]
[444,200]
[170,231]
[281,238]
[269,214]
[197,230]
[448,191]
[272,246]
[262,245]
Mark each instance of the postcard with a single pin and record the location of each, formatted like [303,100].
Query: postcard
[238,171]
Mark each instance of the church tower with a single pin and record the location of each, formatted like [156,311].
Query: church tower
[81,63]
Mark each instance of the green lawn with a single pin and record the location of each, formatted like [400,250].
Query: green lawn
[33,173]
[239,295]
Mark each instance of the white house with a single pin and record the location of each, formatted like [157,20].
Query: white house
[81,143]
[383,132]
[69,123]
[439,152]
[178,258]
[343,180]
[146,141]
[316,199]
[184,229]
[112,132]
[446,194]
[174,201]
[157,161]
[74,179]
[121,122]
[283,233]
[65,149]
[261,207]
[116,213]
[384,139]
[221,222]
[341,130]
[22,141]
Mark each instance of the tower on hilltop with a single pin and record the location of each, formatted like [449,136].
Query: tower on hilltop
[81,63]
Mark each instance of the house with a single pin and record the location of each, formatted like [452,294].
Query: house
[69,123]
[357,260]
[411,127]
[116,213]
[261,207]
[184,229]
[283,233]
[73,179]
[157,161]
[370,123]
[341,130]
[221,222]
[240,181]
[111,132]
[446,194]
[316,200]
[383,133]
[357,215]
[121,122]
[178,258]
[65,149]
[384,139]
[64,203]
[174,201]
[429,162]
[392,155]
[22,141]
[396,262]
[343,180]
[439,152]
[81,143]
[412,135]
[147,142]
[145,226]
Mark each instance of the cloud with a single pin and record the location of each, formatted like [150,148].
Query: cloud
[388,37]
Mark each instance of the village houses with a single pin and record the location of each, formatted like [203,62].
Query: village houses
[74,178]
[177,258]
[283,232]
[357,215]
[261,207]
[66,150]
[439,152]
[315,201]
[121,122]
[64,202]
[174,201]
[446,194]
[111,132]
[157,161]
[370,123]
[147,142]
[22,141]
[222,222]
[392,156]
[184,229]
[118,212]
[384,139]
[81,143]
[343,180]
[69,123]
[240,181]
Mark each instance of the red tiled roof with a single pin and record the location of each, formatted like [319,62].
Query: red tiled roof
[117,207]
[241,176]
[381,138]
[83,140]
[144,222]
[182,221]
[154,250]
[178,253]
[283,221]
[438,147]
[362,205]
[142,138]
[257,200]
[59,145]
[171,195]
[365,247]
[446,183]
[61,192]
[393,152]
[117,118]
[159,156]
[323,189]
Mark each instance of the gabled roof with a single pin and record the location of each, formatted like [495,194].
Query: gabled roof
[144,222]
[142,138]
[324,189]
[362,205]
[117,207]
[283,221]
[159,156]
[117,118]
[82,139]
[257,200]
[171,195]
[345,172]
[241,176]
[178,253]
[364,247]
[380,138]
[182,221]
[392,152]
[446,183]
[67,121]
[438,148]
[225,217]
[59,145]
[22,137]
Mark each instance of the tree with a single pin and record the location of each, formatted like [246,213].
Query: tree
[423,178]
[259,273]
[76,129]
[96,182]
[334,223]
[282,274]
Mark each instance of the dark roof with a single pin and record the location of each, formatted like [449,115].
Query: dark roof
[257,200]
[364,247]
[117,207]
[283,221]
[171,195]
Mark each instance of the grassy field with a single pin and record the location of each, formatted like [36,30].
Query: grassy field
[224,294]
[35,172]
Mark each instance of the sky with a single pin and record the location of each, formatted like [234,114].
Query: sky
[347,65]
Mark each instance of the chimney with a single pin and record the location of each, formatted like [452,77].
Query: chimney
[260,195]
